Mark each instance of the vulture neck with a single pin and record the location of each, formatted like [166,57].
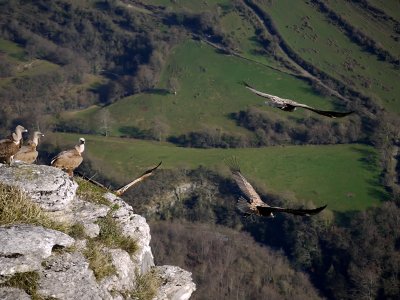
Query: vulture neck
[17,136]
[80,148]
[35,140]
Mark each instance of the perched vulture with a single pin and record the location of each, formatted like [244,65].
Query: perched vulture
[10,146]
[290,105]
[255,206]
[28,152]
[69,160]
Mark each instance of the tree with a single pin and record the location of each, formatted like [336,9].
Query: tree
[105,121]
[173,85]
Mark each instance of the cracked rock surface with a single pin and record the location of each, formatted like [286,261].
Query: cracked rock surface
[68,277]
[49,187]
[9,293]
[22,247]
[177,283]
[136,227]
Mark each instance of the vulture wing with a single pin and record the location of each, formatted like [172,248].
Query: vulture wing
[246,188]
[299,212]
[146,174]
[328,113]
[290,103]
[69,159]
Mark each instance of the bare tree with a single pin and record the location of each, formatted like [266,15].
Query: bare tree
[105,121]
[173,85]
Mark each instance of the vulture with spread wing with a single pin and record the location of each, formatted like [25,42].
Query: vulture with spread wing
[123,189]
[253,205]
[290,105]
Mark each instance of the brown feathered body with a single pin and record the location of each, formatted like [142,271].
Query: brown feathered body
[10,146]
[7,150]
[28,153]
[69,160]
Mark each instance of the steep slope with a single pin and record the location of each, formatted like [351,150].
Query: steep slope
[108,258]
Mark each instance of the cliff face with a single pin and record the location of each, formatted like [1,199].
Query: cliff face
[97,249]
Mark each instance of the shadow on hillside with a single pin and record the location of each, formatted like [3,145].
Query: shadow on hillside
[368,159]
[155,91]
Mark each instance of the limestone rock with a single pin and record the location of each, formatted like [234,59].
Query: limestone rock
[177,283]
[91,230]
[125,276]
[17,263]
[9,293]
[83,212]
[22,247]
[49,187]
[136,227]
[68,277]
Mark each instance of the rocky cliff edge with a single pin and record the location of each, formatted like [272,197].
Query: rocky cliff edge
[93,245]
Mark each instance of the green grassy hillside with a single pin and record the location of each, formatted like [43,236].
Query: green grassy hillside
[323,44]
[209,90]
[343,176]
[380,29]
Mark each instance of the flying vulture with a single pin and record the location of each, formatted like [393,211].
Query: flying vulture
[28,152]
[123,189]
[69,160]
[10,146]
[290,105]
[255,206]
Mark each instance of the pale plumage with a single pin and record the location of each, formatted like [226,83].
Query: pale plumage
[28,153]
[69,160]
[146,174]
[290,105]
[123,189]
[10,146]
[253,205]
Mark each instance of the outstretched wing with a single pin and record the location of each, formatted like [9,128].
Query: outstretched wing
[290,103]
[146,174]
[246,188]
[328,113]
[299,212]
[276,101]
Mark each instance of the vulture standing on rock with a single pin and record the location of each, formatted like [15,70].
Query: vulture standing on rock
[10,146]
[255,206]
[290,105]
[69,160]
[28,153]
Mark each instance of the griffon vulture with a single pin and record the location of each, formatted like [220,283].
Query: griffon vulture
[10,146]
[28,152]
[290,105]
[69,160]
[255,206]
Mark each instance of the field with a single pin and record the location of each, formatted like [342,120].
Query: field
[209,90]
[327,47]
[343,176]
[381,30]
